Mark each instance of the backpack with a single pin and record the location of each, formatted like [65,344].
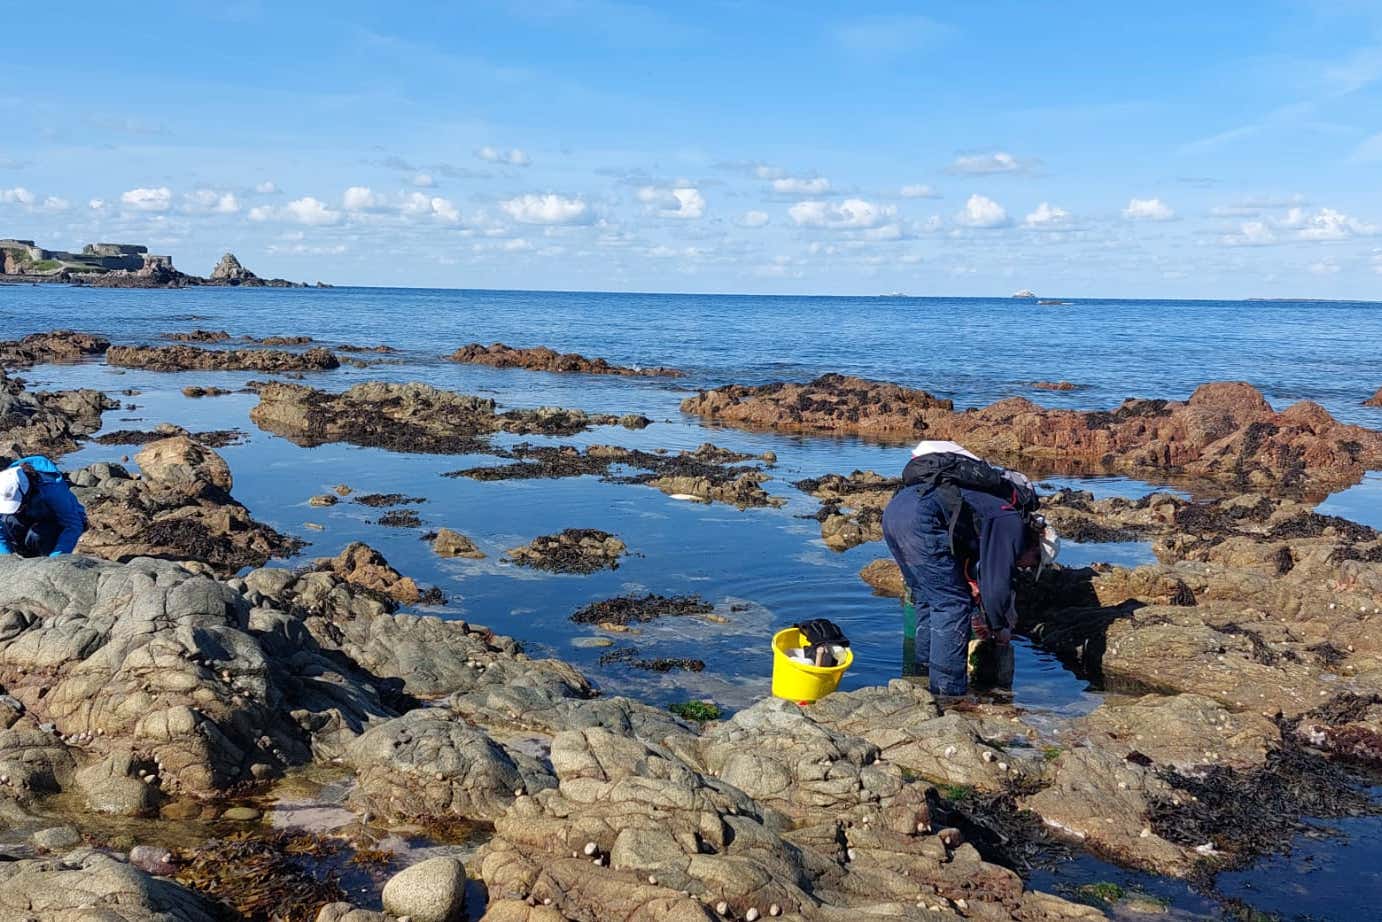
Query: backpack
[946,473]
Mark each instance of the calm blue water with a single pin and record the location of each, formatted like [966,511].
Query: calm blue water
[762,568]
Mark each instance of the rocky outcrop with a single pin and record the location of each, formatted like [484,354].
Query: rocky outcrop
[498,355]
[57,347]
[450,543]
[48,423]
[364,567]
[573,550]
[1225,432]
[230,271]
[179,509]
[191,358]
[96,886]
[1375,400]
[404,417]
[199,336]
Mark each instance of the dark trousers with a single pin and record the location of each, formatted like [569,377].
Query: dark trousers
[944,605]
[37,539]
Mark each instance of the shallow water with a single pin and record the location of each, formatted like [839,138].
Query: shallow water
[762,568]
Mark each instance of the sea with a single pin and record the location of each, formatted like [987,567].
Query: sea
[761,568]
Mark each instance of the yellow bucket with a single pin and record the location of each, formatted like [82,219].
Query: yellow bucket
[798,681]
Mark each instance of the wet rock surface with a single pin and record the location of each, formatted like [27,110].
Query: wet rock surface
[1226,431]
[95,887]
[49,423]
[541,358]
[631,609]
[192,358]
[449,543]
[181,508]
[573,550]
[57,347]
[404,417]
[707,474]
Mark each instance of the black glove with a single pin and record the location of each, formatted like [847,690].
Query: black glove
[822,631]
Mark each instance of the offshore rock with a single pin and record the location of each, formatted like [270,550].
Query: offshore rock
[1226,431]
[574,550]
[56,347]
[1375,400]
[363,566]
[404,417]
[449,543]
[191,358]
[229,270]
[541,358]
[181,509]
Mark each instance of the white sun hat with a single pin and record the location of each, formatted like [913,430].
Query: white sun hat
[13,485]
[940,447]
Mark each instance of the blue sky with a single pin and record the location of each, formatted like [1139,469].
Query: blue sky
[1226,149]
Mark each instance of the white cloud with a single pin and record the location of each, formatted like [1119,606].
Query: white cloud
[795,185]
[754,219]
[511,157]
[309,210]
[919,190]
[1324,267]
[1377,261]
[159,199]
[547,209]
[54,204]
[678,202]
[267,187]
[768,171]
[1148,209]
[424,181]
[1250,234]
[1048,217]
[995,162]
[16,196]
[982,211]
[209,201]
[419,205]
[851,214]
[1326,224]
[97,204]
[361,198]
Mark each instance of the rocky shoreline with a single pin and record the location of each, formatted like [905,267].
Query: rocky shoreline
[167,674]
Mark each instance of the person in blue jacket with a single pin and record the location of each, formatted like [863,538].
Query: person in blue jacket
[39,516]
[959,551]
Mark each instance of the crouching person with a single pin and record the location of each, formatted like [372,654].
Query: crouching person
[39,516]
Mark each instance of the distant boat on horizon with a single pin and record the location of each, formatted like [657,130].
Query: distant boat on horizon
[1024,293]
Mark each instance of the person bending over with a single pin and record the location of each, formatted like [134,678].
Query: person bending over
[39,516]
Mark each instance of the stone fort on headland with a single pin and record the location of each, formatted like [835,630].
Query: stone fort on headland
[23,257]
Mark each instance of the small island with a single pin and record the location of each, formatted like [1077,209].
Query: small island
[119,265]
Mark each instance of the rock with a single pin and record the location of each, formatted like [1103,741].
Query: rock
[99,887]
[885,577]
[363,566]
[1226,431]
[56,347]
[180,509]
[195,391]
[199,336]
[574,550]
[47,423]
[450,543]
[56,839]
[240,814]
[325,499]
[1054,386]
[191,358]
[640,609]
[1375,400]
[541,358]
[404,417]
[114,786]
[230,270]
[429,891]
[344,912]
[152,859]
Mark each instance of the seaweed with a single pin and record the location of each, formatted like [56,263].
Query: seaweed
[630,609]
[263,879]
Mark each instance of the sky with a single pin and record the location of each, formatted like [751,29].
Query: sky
[1173,150]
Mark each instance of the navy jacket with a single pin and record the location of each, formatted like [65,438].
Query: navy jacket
[992,564]
[50,500]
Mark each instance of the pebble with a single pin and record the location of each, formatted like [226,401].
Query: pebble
[722,907]
[774,910]
[241,814]
[751,915]
[591,848]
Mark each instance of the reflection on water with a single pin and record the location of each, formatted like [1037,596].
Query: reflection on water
[1360,503]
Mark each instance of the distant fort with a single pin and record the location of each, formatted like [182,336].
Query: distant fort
[118,265]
